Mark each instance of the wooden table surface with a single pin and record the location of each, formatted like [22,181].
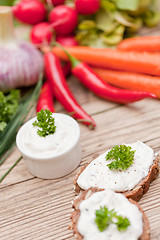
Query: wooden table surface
[34,209]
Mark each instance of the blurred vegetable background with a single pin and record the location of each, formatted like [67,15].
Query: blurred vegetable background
[115,20]
[101,23]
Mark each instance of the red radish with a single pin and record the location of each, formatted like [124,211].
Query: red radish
[63,19]
[29,11]
[86,7]
[68,41]
[55,2]
[41,33]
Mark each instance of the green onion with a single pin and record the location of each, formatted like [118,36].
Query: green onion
[1,179]
[4,157]
[8,136]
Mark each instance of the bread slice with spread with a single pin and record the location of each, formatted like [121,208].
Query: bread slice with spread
[133,178]
[104,214]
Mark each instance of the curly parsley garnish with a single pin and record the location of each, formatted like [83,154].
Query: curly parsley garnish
[45,121]
[8,106]
[122,156]
[104,218]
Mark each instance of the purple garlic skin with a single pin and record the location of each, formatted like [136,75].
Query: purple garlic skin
[20,66]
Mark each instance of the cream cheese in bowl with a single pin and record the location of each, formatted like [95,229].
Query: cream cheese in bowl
[54,155]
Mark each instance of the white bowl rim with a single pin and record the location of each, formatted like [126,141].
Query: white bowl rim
[54,156]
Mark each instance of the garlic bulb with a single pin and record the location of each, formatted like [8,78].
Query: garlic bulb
[20,62]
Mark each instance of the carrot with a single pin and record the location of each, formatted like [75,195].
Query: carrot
[147,63]
[133,81]
[145,43]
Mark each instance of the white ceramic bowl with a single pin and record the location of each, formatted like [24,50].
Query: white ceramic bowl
[47,164]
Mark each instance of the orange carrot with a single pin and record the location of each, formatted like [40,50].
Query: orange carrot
[145,43]
[147,63]
[133,81]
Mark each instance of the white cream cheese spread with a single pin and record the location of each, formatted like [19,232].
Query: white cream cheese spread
[88,228]
[97,173]
[65,136]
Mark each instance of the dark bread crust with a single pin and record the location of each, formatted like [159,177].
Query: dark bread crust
[146,227]
[86,194]
[139,190]
[76,213]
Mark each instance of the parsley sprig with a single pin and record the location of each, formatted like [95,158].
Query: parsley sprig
[45,121]
[122,156]
[105,217]
[8,106]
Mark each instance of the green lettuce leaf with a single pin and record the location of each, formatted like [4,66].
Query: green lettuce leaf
[131,5]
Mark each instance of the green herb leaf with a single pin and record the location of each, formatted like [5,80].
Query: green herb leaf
[12,101]
[122,223]
[154,5]
[87,25]
[108,5]
[138,23]
[88,38]
[151,19]
[8,106]
[105,217]
[105,21]
[115,37]
[127,5]
[122,157]
[45,121]
[124,19]
[2,126]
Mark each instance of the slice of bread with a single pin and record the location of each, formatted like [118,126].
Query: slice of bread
[139,190]
[85,195]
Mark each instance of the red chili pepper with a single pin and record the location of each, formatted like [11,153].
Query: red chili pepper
[92,81]
[61,90]
[45,100]
[66,69]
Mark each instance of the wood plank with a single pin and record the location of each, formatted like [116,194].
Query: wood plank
[32,208]
[47,212]
[43,206]
[133,124]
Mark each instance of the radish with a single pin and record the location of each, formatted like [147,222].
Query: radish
[67,41]
[41,33]
[86,7]
[63,19]
[55,2]
[29,11]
